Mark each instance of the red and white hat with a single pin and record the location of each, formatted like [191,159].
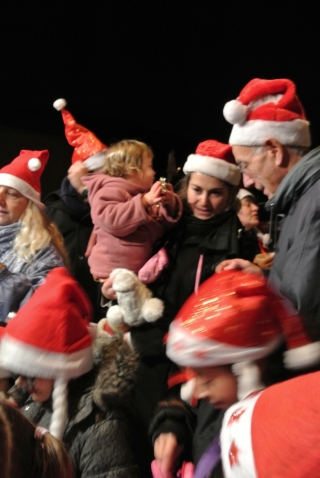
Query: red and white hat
[268,109]
[274,433]
[24,172]
[49,338]
[215,159]
[236,318]
[3,373]
[87,147]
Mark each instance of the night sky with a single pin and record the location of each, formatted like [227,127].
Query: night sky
[158,71]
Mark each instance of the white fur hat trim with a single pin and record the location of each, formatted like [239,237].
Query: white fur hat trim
[187,350]
[304,356]
[31,361]
[244,193]
[96,161]
[255,132]
[11,181]
[218,168]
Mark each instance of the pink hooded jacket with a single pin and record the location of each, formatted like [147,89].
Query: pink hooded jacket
[125,232]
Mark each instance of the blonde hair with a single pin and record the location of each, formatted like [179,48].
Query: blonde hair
[22,455]
[125,157]
[182,189]
[37,232]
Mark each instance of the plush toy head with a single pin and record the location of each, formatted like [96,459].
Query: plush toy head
[135,302]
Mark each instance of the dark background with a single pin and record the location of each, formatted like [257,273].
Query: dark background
[158,71]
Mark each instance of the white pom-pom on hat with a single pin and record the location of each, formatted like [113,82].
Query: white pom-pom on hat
[187,390]
[34,164]
[60,104]
[235,112]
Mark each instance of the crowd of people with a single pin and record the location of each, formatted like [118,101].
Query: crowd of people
[199,390]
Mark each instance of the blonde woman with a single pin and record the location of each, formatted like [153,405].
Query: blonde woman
[30,246]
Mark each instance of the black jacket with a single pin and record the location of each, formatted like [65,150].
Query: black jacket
[216,239]
[72,217]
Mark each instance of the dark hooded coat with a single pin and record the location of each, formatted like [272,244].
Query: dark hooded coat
[99,431]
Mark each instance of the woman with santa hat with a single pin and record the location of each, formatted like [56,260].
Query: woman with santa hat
[30,245]
[206,235]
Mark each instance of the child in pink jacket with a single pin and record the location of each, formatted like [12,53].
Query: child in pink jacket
[129,211]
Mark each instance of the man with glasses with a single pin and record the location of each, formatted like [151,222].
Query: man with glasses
[270,140]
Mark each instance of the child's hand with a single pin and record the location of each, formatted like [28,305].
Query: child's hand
[168,200]
[154,196]
[107,290]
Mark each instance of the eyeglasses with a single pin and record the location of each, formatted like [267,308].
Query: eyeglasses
[243,165]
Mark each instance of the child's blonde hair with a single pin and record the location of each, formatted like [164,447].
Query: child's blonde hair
[125,157]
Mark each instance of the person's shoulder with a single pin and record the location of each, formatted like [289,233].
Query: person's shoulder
[52,198]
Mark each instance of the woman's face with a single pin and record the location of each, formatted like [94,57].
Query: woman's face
[249,213]
[12,205]
[207,196]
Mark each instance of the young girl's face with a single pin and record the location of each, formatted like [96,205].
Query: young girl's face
[145,177]
[218,385]
[40,389]
[207,196]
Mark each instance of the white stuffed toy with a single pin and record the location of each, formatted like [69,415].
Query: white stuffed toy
[135,302]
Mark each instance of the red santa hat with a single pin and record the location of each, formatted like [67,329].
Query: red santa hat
[87,147]
[267,108]
[24,172]
[49,338]
[236,318]
[3,373]
[215,159]
[274,433]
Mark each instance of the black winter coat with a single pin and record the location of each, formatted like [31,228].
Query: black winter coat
[72,217]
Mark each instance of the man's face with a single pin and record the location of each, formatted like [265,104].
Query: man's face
[259,169]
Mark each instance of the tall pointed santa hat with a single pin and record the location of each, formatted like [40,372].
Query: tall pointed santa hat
[49,338]
[215,159]
[274,433]
[235,318]
[24,172]
[267,108]
[87,147]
